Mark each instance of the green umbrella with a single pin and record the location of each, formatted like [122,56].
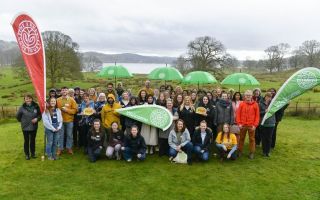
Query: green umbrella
[115,71]
[199,77]
[240,79]
[166,74]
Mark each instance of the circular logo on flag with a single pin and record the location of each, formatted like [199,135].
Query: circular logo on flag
[159,118]
[307,80]
[28,37]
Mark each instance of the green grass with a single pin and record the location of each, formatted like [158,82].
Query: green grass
[292,172]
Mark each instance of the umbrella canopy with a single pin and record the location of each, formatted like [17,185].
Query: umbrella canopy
[240,79]
[199,77]
[115,71]
[166,74]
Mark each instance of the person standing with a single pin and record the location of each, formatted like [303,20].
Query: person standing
[147,88]
[69,108]
[109,113]
[52,121]
[224,114]
[29,115]
[187,113]
[266,130]
[248,119]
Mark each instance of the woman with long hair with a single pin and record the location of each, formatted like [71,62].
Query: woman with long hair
[52,121]
[142,96]
[226,143]
[161,101]
[179,140]
[177,101]
[208,115]
[187,114]
[116,139]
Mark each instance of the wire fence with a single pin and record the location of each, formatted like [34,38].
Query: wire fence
[299,108]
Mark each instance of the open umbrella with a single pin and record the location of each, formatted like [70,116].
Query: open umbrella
[240,79]
[166,74]
[115,71]
[199,77]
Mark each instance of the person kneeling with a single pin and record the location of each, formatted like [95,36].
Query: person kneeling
[95,141]
[179,140]
[202,141]
[134,145]
[227,143]
[116,138]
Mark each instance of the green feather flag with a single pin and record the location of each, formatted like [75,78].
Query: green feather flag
[300,82]
[152,115]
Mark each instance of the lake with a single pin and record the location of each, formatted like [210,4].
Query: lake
[138,68]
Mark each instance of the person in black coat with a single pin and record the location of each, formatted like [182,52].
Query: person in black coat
[209,116]
[202,140]
[134,145]
[187,113]
[95,140]
[29,115]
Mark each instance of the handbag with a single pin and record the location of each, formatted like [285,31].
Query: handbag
[181,158]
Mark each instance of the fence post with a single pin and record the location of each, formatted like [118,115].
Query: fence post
[297,107]
[309,107]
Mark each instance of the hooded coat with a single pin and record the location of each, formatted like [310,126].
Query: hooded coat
[109,113]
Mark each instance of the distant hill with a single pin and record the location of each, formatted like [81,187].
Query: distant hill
[129,58]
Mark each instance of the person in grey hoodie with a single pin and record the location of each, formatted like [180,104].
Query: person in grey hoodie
[224,113]
[29,115]
[266,130]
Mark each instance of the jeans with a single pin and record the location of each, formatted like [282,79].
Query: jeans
[30,142]
[110,150]
[67,129]
[52,142]
[93,154]
[266,136]
[128,153]
[203,156]
[223,153]
[251,132]
[188,148]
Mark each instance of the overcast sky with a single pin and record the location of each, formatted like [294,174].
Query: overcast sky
[164,27]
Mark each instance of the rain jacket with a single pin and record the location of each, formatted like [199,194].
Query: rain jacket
[109,113]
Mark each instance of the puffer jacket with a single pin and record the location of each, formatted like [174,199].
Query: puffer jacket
[26,113]
[248,114]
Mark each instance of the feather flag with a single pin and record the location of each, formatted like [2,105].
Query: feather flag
[31,46]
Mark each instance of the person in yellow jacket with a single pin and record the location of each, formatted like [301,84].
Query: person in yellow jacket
[108,112]
[69,108]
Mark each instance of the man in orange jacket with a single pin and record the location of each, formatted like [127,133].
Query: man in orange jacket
[247,118]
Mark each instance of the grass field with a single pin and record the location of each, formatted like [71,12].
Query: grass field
[292,172]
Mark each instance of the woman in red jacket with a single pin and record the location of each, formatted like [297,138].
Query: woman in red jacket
[248,116]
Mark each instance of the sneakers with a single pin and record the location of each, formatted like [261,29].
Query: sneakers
[251,156]
[33,156]
[129,160]
[27,157]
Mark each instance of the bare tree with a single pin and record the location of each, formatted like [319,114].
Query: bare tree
[182,64]
[205,53]
[311,49]
[275,55]
[296,60]
[91,63]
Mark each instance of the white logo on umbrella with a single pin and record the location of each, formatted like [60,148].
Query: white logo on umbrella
[306,80]
[188,78]
[159,118]
[242,80]
[162,75]
[28,37]
[111,71]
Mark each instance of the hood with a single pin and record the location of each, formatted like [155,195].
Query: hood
[111,96]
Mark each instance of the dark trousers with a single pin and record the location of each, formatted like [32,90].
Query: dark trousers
[83,135]
[258,135]
[75,131]
[163,147]
[266,138]
[29,142]
[94,154]
[274,136]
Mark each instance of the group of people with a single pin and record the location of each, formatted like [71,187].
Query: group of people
[204,123]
